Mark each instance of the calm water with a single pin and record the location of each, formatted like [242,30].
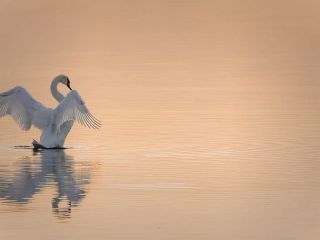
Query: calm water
[210,111]
[245,167]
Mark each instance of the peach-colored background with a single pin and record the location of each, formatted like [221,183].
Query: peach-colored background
[210,114]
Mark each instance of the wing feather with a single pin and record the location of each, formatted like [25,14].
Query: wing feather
[20,105]
[73,108]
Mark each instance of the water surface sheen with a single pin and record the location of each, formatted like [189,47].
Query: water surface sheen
[210,111]
[245,170]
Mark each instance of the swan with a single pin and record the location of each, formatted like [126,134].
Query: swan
[55,124]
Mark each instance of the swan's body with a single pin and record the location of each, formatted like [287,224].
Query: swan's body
[55,124]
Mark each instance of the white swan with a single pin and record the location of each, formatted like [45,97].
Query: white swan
[55,124]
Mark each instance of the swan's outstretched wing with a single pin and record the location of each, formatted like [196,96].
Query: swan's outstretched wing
[20,105]
[73,108]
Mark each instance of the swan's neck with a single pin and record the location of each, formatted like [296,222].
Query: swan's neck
[54,90]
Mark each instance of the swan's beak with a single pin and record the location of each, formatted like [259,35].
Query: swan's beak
[68,85]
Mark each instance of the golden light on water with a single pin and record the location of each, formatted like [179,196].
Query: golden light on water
[210,120]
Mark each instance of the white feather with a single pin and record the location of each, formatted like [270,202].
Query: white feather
[20,105]
[73,108]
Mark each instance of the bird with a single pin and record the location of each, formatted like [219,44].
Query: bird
[55,124]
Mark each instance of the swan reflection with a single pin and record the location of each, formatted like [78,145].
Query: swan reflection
[45,168]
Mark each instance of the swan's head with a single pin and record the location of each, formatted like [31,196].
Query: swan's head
[64,80]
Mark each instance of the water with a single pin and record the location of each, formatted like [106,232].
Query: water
[247,170]
[210,121]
